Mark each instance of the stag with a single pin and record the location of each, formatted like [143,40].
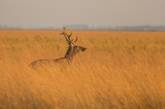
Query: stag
[71,52]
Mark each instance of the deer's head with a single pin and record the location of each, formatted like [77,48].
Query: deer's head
[73,49]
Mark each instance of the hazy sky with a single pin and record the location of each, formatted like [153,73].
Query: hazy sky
[49,13]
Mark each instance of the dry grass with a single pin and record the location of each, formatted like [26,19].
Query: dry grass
[120,70]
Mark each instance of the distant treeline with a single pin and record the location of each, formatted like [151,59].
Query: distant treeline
[93,27]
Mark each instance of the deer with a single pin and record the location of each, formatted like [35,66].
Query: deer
[72,50]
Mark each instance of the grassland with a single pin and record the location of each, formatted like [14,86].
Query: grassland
[119,70]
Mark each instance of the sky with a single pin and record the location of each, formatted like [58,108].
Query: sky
[54,13]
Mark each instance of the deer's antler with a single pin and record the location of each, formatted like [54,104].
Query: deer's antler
[76,39]
[68,37]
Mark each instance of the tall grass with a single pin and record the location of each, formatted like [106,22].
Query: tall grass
[119,70]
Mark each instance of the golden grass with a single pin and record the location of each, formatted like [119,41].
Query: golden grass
[119,70]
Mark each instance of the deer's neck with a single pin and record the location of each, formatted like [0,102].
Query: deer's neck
[69,53]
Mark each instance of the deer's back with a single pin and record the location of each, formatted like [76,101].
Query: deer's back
[48,62]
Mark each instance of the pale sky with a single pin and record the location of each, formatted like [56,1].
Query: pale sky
[51,13]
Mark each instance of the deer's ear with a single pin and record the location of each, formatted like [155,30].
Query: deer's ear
[83,49]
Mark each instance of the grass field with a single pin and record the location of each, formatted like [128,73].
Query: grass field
[119,70]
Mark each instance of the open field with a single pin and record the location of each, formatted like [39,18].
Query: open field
[119,70]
